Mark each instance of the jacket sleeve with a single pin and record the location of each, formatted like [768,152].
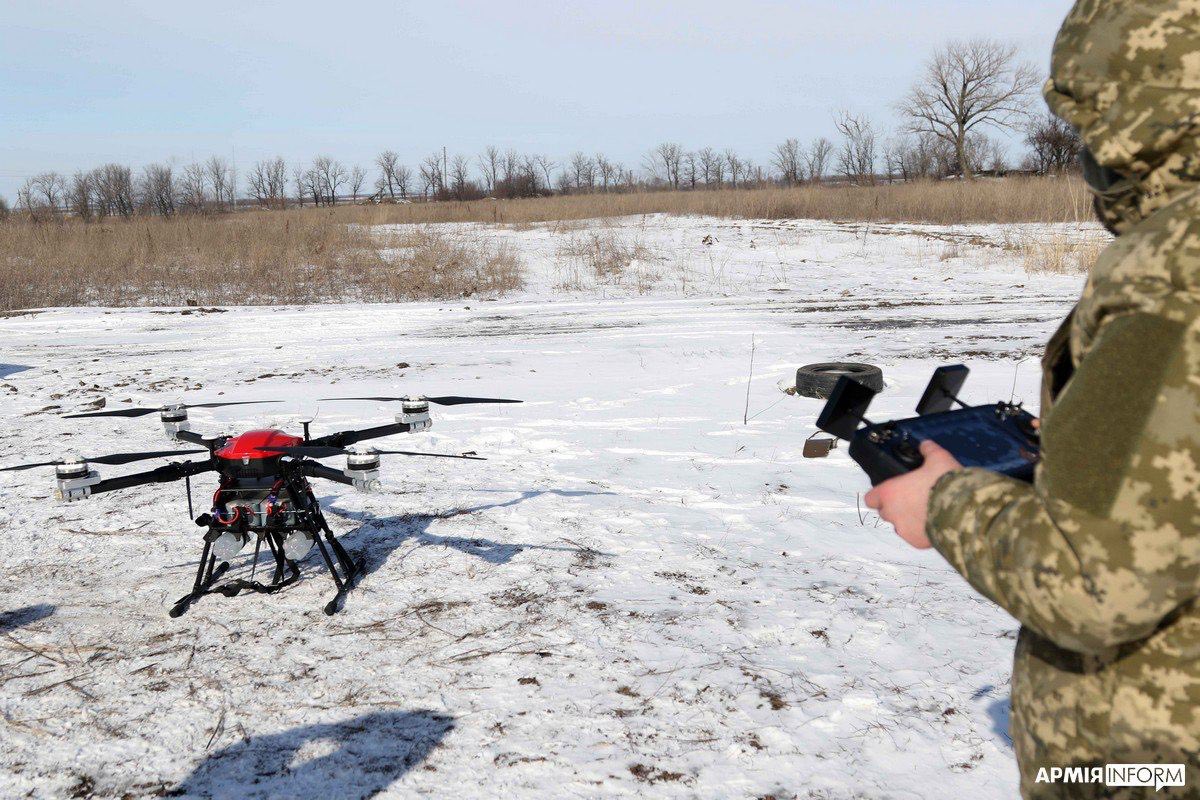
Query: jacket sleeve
[1106,542]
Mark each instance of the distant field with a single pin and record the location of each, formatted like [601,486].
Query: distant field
[314,255]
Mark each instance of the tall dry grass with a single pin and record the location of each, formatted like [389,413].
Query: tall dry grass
[315,255]
[1060,255]
[253,258]
[1009,200]
[592,257]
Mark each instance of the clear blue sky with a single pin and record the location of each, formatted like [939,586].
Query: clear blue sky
[144,80]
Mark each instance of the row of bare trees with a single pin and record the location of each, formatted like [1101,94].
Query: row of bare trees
[966,91]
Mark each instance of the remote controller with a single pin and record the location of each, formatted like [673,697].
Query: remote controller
[1000,437]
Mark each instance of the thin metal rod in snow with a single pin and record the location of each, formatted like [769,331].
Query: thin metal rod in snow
[746,412]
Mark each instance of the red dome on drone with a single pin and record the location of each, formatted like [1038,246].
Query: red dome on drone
[250,444]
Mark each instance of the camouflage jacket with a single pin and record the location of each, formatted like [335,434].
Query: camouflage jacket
[1099,559]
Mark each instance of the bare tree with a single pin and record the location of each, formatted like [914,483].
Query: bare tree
[967,87]
[489,167]
[300,182]
[431,175]
[358,177]
[460,179]
[510,166]
[403,178]
[583,172]
[276,177]
[5,211]
[857,157]
[114,185]
[221,179]
[690,171]
[157,190]
[816,159]
[258,182]
[664,161]
[193,188]
[923,155]
[388,162]
[606,171]
[789,161]
[735,167]
[1054,143]
[81,196]
[545,165]
[268,182]
[709,161]
[53,189]
[330,176]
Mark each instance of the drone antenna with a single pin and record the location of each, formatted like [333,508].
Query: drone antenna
[306,423]
[1016,372]
[187,481]
[954,397]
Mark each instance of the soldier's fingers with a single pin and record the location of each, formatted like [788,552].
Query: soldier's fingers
[937,455]
[874,498]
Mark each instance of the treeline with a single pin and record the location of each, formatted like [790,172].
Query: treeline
[859,156]
[966,89]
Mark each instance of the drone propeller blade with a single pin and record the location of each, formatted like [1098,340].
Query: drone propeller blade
[325,451]
[445,400]
[117,412]
[306,451]
[112,460]
[127,458]
[141,412]
[455,400]
[430,455]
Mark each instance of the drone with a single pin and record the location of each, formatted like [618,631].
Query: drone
[264,492]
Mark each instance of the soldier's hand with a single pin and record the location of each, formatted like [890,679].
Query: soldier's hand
[904,501]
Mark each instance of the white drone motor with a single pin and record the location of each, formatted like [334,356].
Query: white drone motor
[362,466]
[75,479]
[414,412]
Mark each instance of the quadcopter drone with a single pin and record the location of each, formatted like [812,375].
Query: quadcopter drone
[264,492]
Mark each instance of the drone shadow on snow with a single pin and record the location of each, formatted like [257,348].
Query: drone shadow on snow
[26,615]
[376,538]
[11,369]
[356,758]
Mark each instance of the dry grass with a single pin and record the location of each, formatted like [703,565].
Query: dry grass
[1060,255]
[311,255]
[602,256]
[254,258]
[431,264]
[948,202]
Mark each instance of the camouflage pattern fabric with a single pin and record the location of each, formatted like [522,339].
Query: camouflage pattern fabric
[1100,558]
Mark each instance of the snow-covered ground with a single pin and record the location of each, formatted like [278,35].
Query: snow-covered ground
[636,595]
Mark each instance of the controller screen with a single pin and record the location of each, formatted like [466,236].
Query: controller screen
[976,438]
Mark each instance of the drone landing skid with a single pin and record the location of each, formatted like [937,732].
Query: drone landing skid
[286,572]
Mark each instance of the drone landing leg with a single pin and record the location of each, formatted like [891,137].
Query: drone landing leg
[207,573]
[351,570]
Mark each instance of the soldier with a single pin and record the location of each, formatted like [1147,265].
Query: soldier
[1099,559]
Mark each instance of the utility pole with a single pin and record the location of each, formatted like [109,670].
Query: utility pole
[444,167]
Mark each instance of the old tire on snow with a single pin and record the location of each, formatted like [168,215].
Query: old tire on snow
[818,380]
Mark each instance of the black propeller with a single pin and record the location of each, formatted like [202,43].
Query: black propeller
[141,412]
[114,459]
[325,451]
[445,400]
